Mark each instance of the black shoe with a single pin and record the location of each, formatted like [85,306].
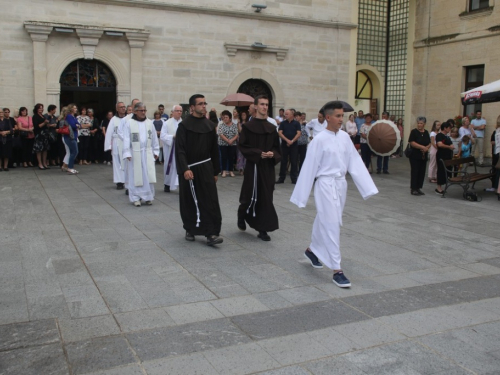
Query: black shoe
[415,192]
[441,193]
[420,192]
[386,172]
[189,237]
[264,236]
[213,240]
[6,169]
[126,191]
[242,225]
[313,259]
[294,182]
[378,172]
[280,181]
[120,186]
[166,188]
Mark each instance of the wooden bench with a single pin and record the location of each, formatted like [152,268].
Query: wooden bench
[465,178]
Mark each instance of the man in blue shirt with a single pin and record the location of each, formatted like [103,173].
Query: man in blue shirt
[163,115]
[479,124]
[360,120]
[289,131]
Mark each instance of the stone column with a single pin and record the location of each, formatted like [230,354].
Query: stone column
[39,35]
[136,42]
[89,39]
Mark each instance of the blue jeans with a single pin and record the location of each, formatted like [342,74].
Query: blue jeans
[379,163]
[73,150]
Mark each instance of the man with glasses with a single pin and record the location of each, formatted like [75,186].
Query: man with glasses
[197,161]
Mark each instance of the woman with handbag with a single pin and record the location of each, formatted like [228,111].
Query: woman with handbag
[420,143]
[6,132]
[26,132]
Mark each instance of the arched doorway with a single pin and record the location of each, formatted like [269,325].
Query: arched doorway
[89,83]
[369,90]
[256,87]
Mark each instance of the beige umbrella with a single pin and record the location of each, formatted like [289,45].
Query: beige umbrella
[384,137]
[237,100]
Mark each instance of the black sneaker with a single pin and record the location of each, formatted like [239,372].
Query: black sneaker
[378,172]
[386,172]
[189,237]
[280,181]
[294,182]
[313,259]
[214,240]
[264,236]
[340,280]
[126,191]
[120,186]
[441,193]
[166,188]
[420,192]
[415,192]
[241,224]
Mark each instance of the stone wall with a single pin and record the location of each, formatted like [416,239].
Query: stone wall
[448,39]
[185,52]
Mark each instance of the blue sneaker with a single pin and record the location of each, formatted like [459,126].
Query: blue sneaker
[340,280]
[313,259]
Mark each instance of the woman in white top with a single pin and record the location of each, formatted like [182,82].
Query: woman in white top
[432,172]
[351,128]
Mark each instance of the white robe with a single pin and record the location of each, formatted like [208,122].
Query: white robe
[124,161]
[114,142]
[145,192]
[329,157]
[167,134]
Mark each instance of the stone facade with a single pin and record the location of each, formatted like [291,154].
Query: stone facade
[168,50]
[449,38]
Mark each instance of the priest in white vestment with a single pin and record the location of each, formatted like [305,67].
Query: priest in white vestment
[330,155]
[167,136]
[114,142]
[141,149]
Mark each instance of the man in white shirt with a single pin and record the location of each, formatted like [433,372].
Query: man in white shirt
[281,116]
[479,124]
[167,136]
[316,126]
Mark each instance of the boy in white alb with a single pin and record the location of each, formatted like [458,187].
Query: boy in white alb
[330,155]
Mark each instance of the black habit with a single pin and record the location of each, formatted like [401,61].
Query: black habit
[257,136]
[196,141]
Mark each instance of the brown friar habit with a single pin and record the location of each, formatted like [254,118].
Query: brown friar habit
[256,198]
[196,142]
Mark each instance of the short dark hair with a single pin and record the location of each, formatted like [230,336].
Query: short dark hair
[226,113]
[445,125]
[282,109]
[192,99]
[256,100]
[5,109]
[37,106]
[51,107]
[23,109]
[298,113]
[385,113]
[368,115]
[161,106]
[331,106]
[479,111]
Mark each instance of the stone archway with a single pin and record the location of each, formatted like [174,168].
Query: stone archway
[278,97]
[88,83]
[256,87]
[368,78]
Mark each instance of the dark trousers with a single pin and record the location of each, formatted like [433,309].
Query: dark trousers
[366,154]
[83,148]
[27,149]
[386,163]
[96,149]
[227,157]
[417,173]
[107,156]
[441,172]
[302,155]
[291,152]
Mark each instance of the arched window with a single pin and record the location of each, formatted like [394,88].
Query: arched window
[364,88]
[256,87]
[88,75]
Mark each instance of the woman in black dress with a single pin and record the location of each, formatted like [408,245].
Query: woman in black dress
[444,152]
[420,142]
[41,144]
[6,132]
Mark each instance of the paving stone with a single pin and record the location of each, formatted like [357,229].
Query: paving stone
[121,297]
[22,335]
[36,360]
[333,340]
[122,370]
[48,307]
[290,370]
[296,319]
[185,339]
[87,328]
[273,300]
[369,333]
[238,305]
[193,312]
[191,364]
[303,295]
[294,349]
[99,354]
[329,365]
[144,319]
[241,359]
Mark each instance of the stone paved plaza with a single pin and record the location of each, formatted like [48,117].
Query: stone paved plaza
[92,285]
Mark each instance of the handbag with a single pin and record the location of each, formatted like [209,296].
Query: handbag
[408,150]
[64,130]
